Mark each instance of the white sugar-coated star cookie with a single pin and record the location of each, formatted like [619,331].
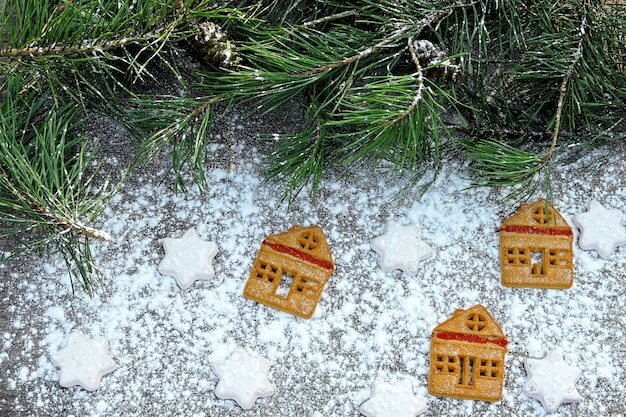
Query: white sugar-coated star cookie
[188,258]
[401,247]
[243,378]
[551,380]
[600,229]
[84,361]
[393,400]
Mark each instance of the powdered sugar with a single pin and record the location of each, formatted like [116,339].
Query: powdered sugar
[369,324]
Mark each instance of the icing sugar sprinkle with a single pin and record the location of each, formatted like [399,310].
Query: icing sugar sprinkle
[369,324]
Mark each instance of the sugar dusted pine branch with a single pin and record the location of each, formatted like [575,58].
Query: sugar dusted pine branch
[378,80]
[87,47]
[332,17]
[75,226]
[420,74]
[364,53]
[578,53]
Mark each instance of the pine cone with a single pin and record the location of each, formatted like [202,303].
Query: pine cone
[214,46]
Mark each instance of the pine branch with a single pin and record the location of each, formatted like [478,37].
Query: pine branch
[81,23]
[578,53]
[525,81]
[338,71]
[365,53]
[97,42]
[495,163]
[44,188]
[303,157]
[181,124]
[332,17]
[88,47]
[74,225]
[84,54]
[397,118]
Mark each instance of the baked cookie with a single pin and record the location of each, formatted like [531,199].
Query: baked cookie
[467,356]
[243,378]
[84,361]
[536,248]
[188,258]
[600,229]
[551,380]
[291,270]
[401,247]
[393,400]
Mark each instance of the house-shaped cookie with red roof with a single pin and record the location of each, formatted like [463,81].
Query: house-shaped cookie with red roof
[536,248]
[467,356]
[291,271]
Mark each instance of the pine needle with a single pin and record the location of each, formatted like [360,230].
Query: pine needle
[380,81]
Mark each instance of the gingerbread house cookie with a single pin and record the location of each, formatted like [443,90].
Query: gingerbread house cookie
[536,248]
[291,270]
[467,356]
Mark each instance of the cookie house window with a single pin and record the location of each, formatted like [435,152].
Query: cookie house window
[476,322]
[517,256]
[558,257]
[536,256]
[541,216]
[308,241]
[466,377]
[446,364]
[284,286]
[489,368]
[267,271]
[307,287]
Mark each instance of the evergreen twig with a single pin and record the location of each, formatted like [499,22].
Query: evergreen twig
[379,80]
[45,191]
[497,164]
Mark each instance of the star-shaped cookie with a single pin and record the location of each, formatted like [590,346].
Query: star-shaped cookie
[243,378]
[393,400]
[551,380]
[188,258]
[84,361]
[401,247]
[600,229]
